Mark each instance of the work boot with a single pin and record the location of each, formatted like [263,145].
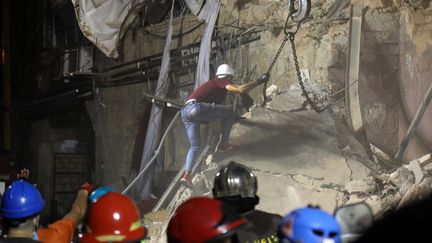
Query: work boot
[186,179]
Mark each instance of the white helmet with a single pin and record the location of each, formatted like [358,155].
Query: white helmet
[224,70]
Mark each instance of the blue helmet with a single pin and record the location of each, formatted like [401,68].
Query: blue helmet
[99,192]
[309,225]
[21,200]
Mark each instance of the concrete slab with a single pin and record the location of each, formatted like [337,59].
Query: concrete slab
[289,143]
[297,156]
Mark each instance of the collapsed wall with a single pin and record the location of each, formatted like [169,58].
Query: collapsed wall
[322,43]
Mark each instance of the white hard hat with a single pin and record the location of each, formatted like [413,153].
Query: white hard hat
[224,70]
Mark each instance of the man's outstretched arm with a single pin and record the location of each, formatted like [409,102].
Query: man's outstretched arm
[244,88]
[79,206]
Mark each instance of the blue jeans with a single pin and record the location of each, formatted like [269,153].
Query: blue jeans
[193,114]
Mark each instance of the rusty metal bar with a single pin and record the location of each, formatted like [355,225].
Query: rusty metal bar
[416,120]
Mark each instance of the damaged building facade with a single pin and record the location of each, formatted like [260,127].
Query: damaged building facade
[91,104]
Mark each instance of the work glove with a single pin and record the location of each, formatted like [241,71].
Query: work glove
[264,78]
[87,187]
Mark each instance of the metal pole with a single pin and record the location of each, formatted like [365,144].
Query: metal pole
[411,129]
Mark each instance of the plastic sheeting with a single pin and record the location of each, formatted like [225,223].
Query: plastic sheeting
[194,5]
[155,121]
[209,13]
[104,22]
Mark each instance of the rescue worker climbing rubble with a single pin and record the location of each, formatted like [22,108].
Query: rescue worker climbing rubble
[309,225]
[236,185]
[201,220]
[113,217]
[205,104]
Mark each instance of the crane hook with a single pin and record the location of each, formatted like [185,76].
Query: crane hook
[300,14]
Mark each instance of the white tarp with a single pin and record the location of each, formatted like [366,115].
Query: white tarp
[155,122]
[209,13]
[194,5]
[104,22]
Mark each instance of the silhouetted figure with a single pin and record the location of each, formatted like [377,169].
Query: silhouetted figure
[203,219]
[236,185]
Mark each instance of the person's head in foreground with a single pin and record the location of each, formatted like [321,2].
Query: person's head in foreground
[202,219]
[113,217]
[20,207]
[309,225]
[236,185]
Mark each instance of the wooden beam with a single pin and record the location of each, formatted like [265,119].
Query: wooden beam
[416,120]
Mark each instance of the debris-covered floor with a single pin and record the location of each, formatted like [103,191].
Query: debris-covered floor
[302,157]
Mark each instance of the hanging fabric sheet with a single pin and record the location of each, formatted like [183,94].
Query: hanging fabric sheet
[104,22]
[194,5]
[144,186]
[209,13]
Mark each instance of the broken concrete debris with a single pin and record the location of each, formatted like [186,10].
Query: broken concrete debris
[365,186]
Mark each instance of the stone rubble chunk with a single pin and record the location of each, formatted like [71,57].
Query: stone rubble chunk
[199,185]
[375,203]
[364,186]
[354,198]
[154,222]
[272,90]
[401,176]
[425,187]
[414,167]
[406,185]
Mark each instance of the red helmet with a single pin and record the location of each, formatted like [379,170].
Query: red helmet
[113,218]
[202,219]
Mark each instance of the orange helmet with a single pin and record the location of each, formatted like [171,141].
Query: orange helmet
[203,219]
[113,218]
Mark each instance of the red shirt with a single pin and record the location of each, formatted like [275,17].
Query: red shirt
[212,91]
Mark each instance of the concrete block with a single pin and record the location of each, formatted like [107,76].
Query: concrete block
[272,90]
[199,185]
[406,185]
[414,167]
[400,176]
[364,186]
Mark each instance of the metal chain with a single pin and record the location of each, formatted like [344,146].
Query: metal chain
[287,34]
[291,37]
[271,67]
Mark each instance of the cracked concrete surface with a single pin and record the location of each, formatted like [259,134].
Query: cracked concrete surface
[300,157]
